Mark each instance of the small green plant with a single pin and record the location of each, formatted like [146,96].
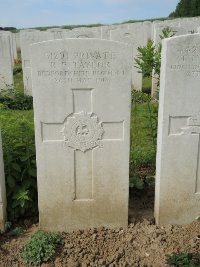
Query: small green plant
[136,182]
[8,226]
[17,69]
[148,61]
[138,97]
[20,164]
[184,259]
[17,231]
[13,99]
[41,247]
[139,182]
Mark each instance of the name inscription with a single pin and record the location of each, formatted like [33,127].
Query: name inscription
[81,67]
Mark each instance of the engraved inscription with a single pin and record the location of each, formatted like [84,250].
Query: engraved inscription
[81,67]
[82,131]
[188,60]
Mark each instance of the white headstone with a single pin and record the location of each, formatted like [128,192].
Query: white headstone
[6,72]
[106,30]
[27,38]
[83,33]
[158,32]
[14,45]
[58,32]
[11,47]
[2,190]
[190,24]
[177,199]
[82,93]
[137,35]
[175,31]
[17,37]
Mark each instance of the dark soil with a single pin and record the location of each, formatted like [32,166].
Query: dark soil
[141,244]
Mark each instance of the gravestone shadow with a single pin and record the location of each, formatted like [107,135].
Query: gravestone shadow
[141,204]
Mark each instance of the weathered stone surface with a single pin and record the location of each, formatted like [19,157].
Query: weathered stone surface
[82,93]
[157,33]
[83,33]
[28,37]
[6,72]
[17,38]
[137,35]
[175,31]
[106,30]
[58,32]
[14,44]
[190,24]
[9,34]
[177,198]
[2,190]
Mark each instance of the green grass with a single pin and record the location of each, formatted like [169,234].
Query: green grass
[18,78]
[17,128]
[143,145]
[10,121]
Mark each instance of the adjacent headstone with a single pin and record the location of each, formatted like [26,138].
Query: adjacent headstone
[6,72]
[137,35]
[106,30]
[82,136]
[158,32]
[91,29]
[17,37]
[14,44]
[58,32]
[83,33]
[175,31]
[190,24]
[27,38]
[2,190]
[177,198]
[11,46]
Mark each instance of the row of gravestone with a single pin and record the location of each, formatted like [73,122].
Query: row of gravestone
[82,95]
[8,54]
[135,34]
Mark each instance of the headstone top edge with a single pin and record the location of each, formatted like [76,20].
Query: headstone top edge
[89,40]
[179,37]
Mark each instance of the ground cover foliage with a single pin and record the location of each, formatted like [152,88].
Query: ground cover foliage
[41,247]
[144,114]
[184,259]
[19,148]
[20,165]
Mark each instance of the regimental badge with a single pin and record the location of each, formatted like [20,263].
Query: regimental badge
[83,131]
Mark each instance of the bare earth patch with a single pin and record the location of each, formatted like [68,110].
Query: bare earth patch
[141,244]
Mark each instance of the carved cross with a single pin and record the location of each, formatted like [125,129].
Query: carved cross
[83,132]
